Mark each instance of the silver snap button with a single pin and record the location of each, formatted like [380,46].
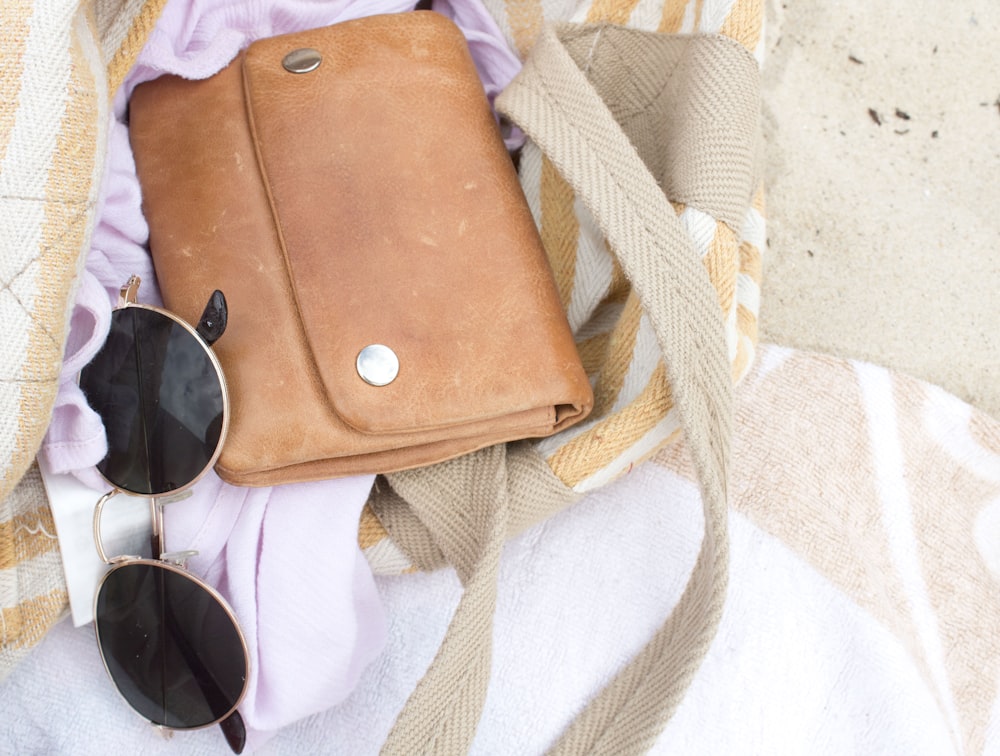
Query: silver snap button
[378,365]
[302,60]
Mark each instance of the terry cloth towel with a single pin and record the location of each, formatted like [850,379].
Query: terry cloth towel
[863,614]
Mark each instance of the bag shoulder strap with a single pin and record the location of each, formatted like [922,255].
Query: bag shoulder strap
[553,102]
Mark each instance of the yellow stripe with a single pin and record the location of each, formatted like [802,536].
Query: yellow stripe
[721,262]
[744,23]
[698,7]
[673,16]
[525,18]
[72,168]
[746,323]
[124,58]
[593,352]
[750,261]
[618,357]
[27,536]
[620,287]
[22,626]
[16,27]
[560,229]
[611,11]
[370,529]
[607,439]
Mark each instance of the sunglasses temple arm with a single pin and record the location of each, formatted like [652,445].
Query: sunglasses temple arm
[98,510]
[156,540]
[214,318]
[234,731]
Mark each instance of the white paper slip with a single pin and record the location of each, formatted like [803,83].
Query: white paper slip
[125,529]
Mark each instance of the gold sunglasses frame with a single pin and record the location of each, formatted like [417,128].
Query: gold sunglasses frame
[126,299]
[173,562]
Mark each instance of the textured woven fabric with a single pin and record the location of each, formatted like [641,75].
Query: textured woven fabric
[58,75]
[32,590]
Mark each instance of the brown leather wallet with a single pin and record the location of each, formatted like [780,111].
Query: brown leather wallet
[390,302]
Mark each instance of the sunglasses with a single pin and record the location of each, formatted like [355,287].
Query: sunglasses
[170,643]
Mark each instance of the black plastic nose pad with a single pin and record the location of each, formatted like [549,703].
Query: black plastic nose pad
[213,320]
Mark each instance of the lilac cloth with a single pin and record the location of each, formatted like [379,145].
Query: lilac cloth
[285,557]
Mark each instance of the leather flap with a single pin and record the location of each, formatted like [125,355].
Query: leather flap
[403,224]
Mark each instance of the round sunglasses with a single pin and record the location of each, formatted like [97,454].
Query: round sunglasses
[170,643]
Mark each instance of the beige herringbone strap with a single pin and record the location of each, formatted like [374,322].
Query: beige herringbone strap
[456,511]
[459,512]
[552,101]
[443,711]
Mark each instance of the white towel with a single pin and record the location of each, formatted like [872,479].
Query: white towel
[863,614]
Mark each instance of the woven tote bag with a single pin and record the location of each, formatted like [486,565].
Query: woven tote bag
[61,62]
[642,169]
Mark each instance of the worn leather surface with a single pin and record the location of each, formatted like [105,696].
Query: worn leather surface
[369,201]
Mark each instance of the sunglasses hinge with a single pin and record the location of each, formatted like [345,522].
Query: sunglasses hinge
[129,292]
[123,558]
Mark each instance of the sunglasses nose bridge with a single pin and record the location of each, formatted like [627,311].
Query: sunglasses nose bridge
[98,537]
[98,511]
[156,505]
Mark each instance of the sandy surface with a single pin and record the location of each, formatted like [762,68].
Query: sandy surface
[883,151]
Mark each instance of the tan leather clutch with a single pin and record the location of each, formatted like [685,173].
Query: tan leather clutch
[390,302]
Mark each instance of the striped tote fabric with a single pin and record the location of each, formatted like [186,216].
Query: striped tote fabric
[53,107]
[53,111]
[634,407]
[60,63]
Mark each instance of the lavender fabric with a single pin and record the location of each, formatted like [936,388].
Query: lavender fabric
[285,557]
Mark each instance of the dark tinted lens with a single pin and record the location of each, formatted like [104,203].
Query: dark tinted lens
[171,648]
[160,397]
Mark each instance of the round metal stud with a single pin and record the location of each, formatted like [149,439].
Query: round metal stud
[378,365]
[303,60]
